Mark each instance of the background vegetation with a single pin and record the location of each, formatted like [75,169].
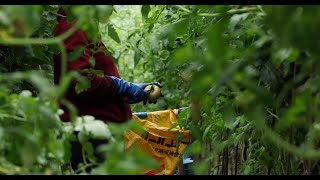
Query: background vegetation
[248,73]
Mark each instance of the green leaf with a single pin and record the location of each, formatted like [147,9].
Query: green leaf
[137,57]
[183,54]
[40,53]
[154,43]
[164,54]
[181,26]
[195,147]
[51,8]
[145,9]
[65,83]
[238,137]
[26,19]
[87,146]
[113,34]
[294,112]
[134,32]
[82,85]
[1,134]
[103,12]
[92,61]
[228,117]
[280,55]
[76,54]
[95,71]
[152,20]
[86,16]
[206,131]
[49,16]
[295,25]
[42,83]
[217,44]
[54,48]
[236,19]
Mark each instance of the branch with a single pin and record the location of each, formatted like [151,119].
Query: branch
[183,8]
[23,41]
[272,114]
[13,117]
[230,12]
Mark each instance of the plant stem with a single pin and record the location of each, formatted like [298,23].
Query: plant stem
[54,40]
[13,117]
[63,60]
[260,8]
[24,41]
[183,8]
[71,108]
[83,168]
[230,12]
[84,156]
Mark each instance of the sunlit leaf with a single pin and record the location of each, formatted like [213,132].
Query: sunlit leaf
[113,34]
[145,9]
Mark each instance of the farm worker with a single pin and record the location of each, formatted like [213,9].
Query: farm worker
[109,97]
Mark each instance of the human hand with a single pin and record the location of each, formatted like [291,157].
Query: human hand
[154,92]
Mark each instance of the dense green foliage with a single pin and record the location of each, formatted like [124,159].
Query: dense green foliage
[248,74]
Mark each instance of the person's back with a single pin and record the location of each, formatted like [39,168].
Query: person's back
[99,100]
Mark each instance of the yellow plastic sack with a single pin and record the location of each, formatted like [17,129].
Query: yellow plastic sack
[158,141]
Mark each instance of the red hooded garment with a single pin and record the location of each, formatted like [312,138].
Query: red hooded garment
[100,100]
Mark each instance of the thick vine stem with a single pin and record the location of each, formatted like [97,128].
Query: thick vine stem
[63,60]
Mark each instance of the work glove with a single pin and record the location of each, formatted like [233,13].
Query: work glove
[134,91]
[144,85]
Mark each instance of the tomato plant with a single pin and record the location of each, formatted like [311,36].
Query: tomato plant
[248,73]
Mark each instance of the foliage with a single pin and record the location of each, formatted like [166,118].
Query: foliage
[248,74]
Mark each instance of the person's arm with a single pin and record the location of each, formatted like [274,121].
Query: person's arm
[134,91]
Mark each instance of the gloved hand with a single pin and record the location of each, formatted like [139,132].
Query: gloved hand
[144,85]
[134,91]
